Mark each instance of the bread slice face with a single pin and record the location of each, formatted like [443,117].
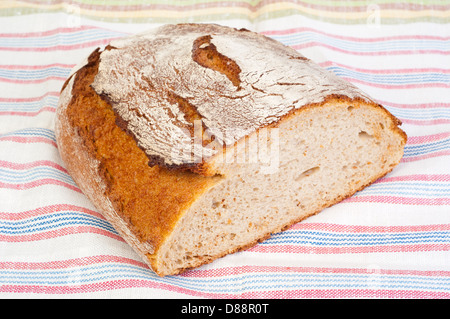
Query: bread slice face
[318,157]
[192,151]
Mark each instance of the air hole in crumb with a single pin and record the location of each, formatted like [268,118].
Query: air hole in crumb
[364,135]
[350,107]
[215,204]
[307,173]
[382,126]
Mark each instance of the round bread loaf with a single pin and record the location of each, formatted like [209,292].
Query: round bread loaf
[199,140]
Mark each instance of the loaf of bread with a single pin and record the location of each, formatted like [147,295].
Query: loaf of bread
[197,140]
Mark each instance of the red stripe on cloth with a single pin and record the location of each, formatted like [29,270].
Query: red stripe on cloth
[61,47]
[28,165]
[36,67]
[415,106]
[383,71]
[344,293]
[226,271]
[368,53]
[46,33]
[320,250]
[356,39]
[47,210]
[34,81]
[340,228]
[417,177]
[425,122]
[28,139]
[398,86]
[38,183]
[29,114]
[65,231]
[398,200]
[69,263]
[28,99]
[427,138]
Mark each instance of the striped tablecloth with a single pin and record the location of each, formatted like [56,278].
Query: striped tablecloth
[391,240]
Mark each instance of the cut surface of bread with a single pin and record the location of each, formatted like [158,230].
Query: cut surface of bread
[324,157]
[211,155]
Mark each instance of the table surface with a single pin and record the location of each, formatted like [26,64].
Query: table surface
[391,240]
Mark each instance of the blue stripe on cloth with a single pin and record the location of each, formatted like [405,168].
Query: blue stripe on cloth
[421,149]
[29,106]
[413,188]
[52,221]
[16,176]
[392,79]
[35,74]
[33,131]
[226,284]
[421,114]
[340,239]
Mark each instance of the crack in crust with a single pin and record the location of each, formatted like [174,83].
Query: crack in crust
[205,53]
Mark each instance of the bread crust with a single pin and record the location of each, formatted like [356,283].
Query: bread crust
[142,196]
[86,170]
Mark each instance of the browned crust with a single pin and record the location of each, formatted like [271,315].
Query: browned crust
[109,167]
[85,169]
